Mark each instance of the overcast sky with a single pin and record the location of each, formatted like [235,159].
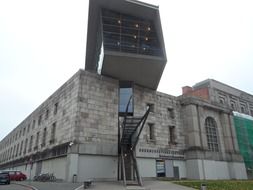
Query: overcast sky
[42,44]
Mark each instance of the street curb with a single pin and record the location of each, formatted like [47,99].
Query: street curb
[24,185]
[78,188]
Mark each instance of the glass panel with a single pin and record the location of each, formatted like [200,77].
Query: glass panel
[127,33]
[125,94]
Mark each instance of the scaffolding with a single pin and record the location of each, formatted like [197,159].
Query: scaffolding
[244,131]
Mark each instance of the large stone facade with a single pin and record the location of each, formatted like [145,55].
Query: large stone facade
[76,131]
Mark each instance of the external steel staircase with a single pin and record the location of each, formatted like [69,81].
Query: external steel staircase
[131,128]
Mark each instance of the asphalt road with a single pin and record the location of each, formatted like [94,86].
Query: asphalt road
[52,185]
[13,187]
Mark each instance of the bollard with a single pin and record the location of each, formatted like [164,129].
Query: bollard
[203,186]
[74,178]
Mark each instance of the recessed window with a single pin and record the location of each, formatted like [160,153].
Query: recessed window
[243,107]
[24,131]
[37,140]
[222,99]
[171,113]
[31,143]
[52,139]
[172,136]
[44,136]
[14,150]
[251,112]
[56,108]
[26,142]
[212,134]
[151,107]
[151,131]
[233,105]
[21,148]
[33,124]
[10,153]
[17,150]
[47,114]
[39,120]
[28,128]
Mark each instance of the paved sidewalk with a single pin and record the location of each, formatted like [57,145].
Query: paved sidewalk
[51,185]
[148,185]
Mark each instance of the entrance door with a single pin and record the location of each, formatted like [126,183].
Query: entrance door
[160,168]
[176,172]
[38,168]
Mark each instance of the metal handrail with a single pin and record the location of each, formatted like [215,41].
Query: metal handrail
[143,120]
[124,120]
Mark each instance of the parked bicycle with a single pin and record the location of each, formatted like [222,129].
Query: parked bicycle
[45,177]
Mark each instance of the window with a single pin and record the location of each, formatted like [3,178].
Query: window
[130,34]
[31,143]
[55,108]
[34,122]
[20,133]
[10,154]
[47,114]
[28,128]
[24,131]
[52,139]
[21,147]
[211,133]
[17,150]
[26,141]
[243,108]
[172,136]
[233,105]
[251,112]
[151,106]
[14,150]
[37,141]
[125,93]
[171,113]
[222,100]
[44,137]
[39,120]
[151,131]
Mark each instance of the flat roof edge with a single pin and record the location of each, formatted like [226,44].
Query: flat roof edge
[143,4]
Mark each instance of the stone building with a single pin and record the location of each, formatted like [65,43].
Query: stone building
[109,122]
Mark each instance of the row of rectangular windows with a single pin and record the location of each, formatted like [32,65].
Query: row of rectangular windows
[171,112]
[171,132]
[243,108]
[16,150]
[26,130]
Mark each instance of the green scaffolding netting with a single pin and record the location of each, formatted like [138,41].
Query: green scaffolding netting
[244,132]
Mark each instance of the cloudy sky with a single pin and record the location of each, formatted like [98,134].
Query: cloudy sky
[42,44]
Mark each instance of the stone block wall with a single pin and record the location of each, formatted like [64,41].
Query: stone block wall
[59,110]
[97,115]
[164,114]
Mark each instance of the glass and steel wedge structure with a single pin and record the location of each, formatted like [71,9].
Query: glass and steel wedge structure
[125,41]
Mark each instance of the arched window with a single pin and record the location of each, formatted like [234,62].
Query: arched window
[211,134]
